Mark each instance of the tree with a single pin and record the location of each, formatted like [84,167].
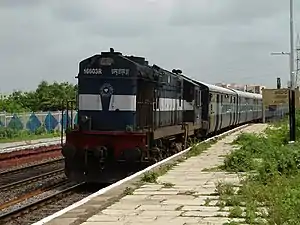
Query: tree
[47,97]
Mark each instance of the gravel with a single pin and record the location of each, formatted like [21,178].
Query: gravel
[30,172]
[52,207]
[36,198]
[29,164]
[15,193]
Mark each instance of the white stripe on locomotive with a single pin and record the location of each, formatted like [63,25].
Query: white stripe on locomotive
[122,103]
[92,102]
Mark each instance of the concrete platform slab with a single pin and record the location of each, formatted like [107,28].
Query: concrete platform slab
[21,145]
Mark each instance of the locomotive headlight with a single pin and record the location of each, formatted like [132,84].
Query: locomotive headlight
[84,118]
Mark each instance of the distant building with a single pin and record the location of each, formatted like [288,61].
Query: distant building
[224,85]
[239,87]
[255,88]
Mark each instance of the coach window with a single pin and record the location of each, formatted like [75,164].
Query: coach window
[197,98]
[221,104]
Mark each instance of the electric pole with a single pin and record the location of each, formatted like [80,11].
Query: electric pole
[297,59]
[292,110]
[292,97]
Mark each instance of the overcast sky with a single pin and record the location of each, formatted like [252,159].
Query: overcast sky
[211,40]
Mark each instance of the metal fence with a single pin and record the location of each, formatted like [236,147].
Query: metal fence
[56,121]
[33,121]
[273,113]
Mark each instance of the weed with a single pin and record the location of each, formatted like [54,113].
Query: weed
[235,212]
[168,185]
[224,189]
[221,204]
[187,193]
[150,177]
[276,181]
[231,223]
[179,208]
[207,201]
[233,200]
[198,149]
[165,168]
[128,191]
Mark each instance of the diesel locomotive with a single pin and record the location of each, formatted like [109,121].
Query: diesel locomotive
[132,114]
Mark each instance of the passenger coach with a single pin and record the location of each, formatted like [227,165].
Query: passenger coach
[249,107]
[218,111]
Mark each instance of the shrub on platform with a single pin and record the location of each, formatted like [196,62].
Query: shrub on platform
[276,181]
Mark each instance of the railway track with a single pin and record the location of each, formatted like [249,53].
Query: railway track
[31,193]
[22,210]
[16,176]
[31,179]
[9,159]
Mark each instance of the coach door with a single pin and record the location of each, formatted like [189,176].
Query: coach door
[222,111]
[233,111]
[217,112]
[197,106]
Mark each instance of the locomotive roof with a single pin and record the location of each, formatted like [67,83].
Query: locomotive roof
[188,79]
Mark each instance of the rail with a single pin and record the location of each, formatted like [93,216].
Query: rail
[30,179]
[31,166]
[34,204]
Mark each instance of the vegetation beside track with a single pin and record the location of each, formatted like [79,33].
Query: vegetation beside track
[46,97]
[270,194]
[8,135]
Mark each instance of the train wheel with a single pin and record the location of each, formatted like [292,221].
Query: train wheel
[155,154]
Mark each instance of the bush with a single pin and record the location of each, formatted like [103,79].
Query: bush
[276,181]
[9,134]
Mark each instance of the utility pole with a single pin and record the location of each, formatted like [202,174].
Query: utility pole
[292,100]
[297,59]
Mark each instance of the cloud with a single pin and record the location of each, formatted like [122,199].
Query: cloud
[212,41]
[220,13]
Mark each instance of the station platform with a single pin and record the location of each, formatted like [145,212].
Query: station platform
[14,146]
[185,195]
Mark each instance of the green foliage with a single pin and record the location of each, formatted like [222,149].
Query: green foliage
[275,182]
[8,134]
[47,97]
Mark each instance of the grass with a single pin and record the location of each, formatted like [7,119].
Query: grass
[235,212]
[275,183]
[128,191]
[28,137]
